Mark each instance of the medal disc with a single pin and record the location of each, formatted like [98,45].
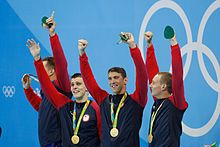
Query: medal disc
[150,138]
[114,132]
[75,139]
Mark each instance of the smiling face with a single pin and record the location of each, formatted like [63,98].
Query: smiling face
[117,83]
[161,85]
[78,88]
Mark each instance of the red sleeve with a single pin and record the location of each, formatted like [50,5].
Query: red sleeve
[140,93]
[96,92]
[151,64]
[60,64]
[98,117]
[178,97]
[56,98]
[33,98]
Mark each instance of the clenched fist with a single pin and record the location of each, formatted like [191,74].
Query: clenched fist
[82,44]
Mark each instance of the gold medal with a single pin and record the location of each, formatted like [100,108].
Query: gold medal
[114,132]
[75,139]
[150,138]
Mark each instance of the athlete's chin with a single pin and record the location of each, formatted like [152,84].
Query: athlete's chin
[77,96]
[154,94]
[115,91]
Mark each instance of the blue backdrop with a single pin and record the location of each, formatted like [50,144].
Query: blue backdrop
[197,27]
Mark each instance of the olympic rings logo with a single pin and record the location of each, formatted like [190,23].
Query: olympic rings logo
[8,91]
[187,49]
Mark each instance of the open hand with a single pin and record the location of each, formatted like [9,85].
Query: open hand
[34,49]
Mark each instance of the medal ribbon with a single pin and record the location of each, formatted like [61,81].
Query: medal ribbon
[114,118]
[153,117]
[76,127]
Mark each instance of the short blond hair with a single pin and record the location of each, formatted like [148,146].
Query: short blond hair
[166,78]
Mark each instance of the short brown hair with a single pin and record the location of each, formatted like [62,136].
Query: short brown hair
[118,70]
[50,62]
[166,78]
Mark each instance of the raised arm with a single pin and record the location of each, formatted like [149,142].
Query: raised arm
[32,97]
[97,93]
[151,62]
[59,57]
[57,99]
[140,93]
[178,97]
